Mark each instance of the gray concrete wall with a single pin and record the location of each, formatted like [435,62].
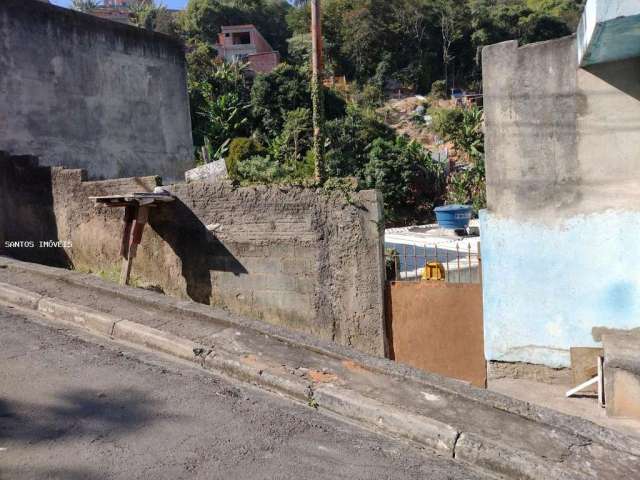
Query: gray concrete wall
[560,140]
[560,235]
[81,91]
[302,258]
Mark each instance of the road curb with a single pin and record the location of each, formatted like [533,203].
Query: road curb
[155,339]
[431,433]
[470,448]
[86,318]
[19,296]
[612,439]
[427,432]
[507,461]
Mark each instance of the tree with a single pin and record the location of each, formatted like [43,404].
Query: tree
[152,16]
[409,179]
[463,128]
[219,98]
[84,5]
[317,91]
[449,16]
[284,89]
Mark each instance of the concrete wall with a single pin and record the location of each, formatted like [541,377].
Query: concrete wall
[81,91]
[305,259]
[560,235]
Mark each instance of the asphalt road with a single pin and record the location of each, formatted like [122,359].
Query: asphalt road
[73,406]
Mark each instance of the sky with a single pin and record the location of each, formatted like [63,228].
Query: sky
[168,3]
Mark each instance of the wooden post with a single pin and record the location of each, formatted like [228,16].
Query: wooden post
[141,217]
[129,217]
[316,90]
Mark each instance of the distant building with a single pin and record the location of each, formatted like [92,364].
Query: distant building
[245,43]
[114,13]
[115,10]
[116,3]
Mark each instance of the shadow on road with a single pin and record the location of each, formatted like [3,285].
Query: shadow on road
[39,472]
[93,413]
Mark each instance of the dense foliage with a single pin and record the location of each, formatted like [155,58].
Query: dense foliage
[417,42]
[263,127]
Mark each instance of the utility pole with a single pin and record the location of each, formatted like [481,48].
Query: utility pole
[316,91]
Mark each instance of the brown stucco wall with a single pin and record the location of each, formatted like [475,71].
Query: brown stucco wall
[302,258]
[437,327]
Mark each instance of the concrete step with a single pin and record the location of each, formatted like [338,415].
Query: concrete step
[622,373]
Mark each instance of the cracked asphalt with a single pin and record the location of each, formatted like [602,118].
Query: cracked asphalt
[73,406]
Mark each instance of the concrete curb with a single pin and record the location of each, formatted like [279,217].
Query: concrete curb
[88,319]
[467,447]
[425,431]
[155,339]
[615,440]
[19,296]
[431,433]
[507,461]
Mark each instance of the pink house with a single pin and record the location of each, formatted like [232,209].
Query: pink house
[245,43]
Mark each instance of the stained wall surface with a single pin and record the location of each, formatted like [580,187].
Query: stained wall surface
[559,236]
[307,259]
[85,92]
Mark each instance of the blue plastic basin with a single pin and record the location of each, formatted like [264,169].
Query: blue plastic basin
[453,216]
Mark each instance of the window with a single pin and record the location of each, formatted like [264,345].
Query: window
[242,38]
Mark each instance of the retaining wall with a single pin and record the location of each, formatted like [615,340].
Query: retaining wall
[302,258]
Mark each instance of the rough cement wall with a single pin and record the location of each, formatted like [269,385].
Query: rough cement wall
[81,91]
[305,259]
[560,140]
[23,186]
[559,237]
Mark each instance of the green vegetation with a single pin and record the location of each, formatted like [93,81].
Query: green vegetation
[462,127]
[152,16]
[84,5]
[417,42]
[263,127]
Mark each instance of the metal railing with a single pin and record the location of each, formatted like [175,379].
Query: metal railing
[455,262]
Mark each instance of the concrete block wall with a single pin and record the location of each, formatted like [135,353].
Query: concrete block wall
[264,62]
[559,236]
[622,373]
[302,258]
[85,92]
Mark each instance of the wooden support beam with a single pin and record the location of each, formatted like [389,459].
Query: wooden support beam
[129,217]
[134,239]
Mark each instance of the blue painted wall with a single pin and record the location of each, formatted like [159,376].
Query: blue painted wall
[546,286]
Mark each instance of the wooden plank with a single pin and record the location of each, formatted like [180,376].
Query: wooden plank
[582,386]
[584,364]
[437,327]
[601,398]
[129,216]
[142,215]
